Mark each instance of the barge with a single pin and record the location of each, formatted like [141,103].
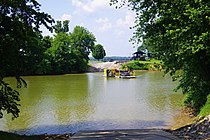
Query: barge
[124,74]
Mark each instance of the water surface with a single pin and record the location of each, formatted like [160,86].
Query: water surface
[74,102]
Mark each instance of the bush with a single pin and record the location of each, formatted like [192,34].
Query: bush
[135,65]
[143,65]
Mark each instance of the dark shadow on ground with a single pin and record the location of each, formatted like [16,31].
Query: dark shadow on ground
[128,134]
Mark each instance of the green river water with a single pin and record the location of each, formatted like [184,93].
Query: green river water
[75,102]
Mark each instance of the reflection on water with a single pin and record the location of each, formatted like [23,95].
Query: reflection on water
[70,103]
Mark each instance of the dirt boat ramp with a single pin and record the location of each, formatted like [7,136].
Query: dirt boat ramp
[100,66]
[139,134]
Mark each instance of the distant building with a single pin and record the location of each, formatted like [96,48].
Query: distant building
[139,55]
[142,55]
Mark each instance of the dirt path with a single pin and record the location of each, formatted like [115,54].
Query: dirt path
[100,66]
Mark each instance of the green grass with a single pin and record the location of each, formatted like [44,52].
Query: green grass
[152,64]
[205,110]
[152,61]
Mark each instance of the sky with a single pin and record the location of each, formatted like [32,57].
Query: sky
[109,25]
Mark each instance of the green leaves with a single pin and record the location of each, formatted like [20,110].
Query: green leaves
[8,100]
[20,82]
[69,51]
[20,21]
[179,32]
[98,52]
[59,27]
[82,39]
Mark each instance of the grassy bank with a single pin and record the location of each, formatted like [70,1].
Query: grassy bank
[152,65]
[205,110]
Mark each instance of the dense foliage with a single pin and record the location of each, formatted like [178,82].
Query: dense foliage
[98,52]
[151,65]
[69,51]
[135,65]
[24,51]
[19,43]
[179,31]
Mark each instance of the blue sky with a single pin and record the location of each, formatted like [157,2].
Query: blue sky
[109,25]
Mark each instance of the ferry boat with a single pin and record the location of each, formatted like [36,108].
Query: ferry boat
[125,74]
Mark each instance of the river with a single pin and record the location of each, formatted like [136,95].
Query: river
[75,102]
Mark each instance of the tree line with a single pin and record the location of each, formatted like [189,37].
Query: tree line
[65,52]
[24,51]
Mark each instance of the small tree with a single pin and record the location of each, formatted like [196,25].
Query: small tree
[98,52]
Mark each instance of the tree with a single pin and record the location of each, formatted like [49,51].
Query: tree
[43,65]
[66,26]
[98,52]
[59,27]
[69,51]
[19,29]
[179,30]
[82,42]
[59,54]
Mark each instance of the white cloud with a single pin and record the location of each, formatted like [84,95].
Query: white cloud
[82,24]
[122,24]
[120,33]
[102,20]
[96,4]
[66,17]
[90,5]
[88,8]
[105,27]
[127,21]
[103,24]
[76,3]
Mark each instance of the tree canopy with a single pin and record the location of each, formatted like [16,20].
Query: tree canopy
[69,51]
[62,27]
[83,40]
[19,32]
[179,31]
[98,52]
[24,51]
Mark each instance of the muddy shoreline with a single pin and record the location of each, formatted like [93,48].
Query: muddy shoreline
[200,129]
[190,129]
